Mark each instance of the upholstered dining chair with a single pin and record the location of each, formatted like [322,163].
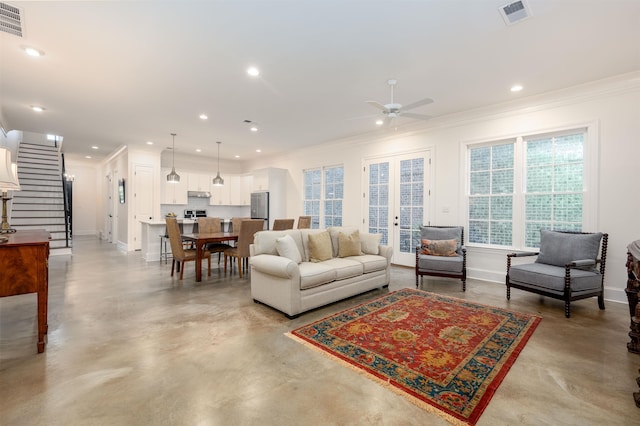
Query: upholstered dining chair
[304,222]
[283,224]
[212,225]
[180,254]
[235,223]
[441,253]
[568,267]
[245,238]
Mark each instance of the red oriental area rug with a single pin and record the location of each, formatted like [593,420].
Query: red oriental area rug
[446,355]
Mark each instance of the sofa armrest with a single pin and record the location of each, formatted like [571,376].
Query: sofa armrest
[387,252]
[274,265]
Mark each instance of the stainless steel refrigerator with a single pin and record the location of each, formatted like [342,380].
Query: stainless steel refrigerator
[260,207]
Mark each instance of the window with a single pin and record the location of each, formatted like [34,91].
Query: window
[324,187]
[512,196]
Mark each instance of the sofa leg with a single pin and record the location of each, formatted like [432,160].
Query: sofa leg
[292,317]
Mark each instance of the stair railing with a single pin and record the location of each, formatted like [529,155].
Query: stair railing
[67,203]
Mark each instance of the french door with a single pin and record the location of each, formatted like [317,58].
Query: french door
[396,201]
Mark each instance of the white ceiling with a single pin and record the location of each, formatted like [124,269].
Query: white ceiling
[126,72]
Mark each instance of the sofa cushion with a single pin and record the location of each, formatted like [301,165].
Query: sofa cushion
[551,278]
[287,247]
[320,247]
[444,264]
[559,248]
[370,243]
[345,268]
[349,244]
[439,247]
[315,274]
[335,231]
[371,262]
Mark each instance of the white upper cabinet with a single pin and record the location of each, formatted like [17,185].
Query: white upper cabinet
[174,193]
[199,182]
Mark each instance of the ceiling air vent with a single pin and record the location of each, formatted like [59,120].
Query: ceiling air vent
[10,19]
[515,12]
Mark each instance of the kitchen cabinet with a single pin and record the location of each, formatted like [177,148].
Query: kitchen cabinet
[174,193]
[236,191]
[199,182]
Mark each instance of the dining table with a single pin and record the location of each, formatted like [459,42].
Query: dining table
[200,240]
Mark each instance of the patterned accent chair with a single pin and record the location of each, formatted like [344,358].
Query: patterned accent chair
[567,267]
[442,253]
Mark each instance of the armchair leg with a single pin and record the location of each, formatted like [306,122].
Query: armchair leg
[567,309]
[601,302]
[464,284]
[508,292]
[417,281]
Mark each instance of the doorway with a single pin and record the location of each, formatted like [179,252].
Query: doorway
[397,200]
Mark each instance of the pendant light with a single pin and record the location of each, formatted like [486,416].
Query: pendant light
[173,177]
[218,181]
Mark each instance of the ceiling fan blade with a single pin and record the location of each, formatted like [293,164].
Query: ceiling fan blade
[377,105]
[417,104]
[416,116]
[363,116]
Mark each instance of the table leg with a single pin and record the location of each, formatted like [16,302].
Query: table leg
[42,318]
[199,253]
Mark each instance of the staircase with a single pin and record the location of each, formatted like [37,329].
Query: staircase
[40,202]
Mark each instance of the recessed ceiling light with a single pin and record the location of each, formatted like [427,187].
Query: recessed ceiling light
[379,122]
[87,156]
[37,108]
[203,116]
[149,143]
[198,150]
[237,156]
[253,71]
[94,147]
[258,150]
[254,129]
[516,88]
[31,51]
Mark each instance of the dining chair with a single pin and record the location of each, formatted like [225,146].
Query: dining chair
[180,254]
[235,223]
[304,222]
[245,238]
[212,225]
[282,224]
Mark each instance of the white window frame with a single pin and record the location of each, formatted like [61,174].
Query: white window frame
[321,216]
[590,181]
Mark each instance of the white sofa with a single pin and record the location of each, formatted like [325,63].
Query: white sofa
[294,287]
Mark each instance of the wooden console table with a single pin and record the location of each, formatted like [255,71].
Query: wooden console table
[24,262]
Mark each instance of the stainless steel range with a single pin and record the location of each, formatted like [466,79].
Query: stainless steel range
[193,214]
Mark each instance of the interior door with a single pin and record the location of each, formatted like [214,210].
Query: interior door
[142,200]
[109,216]
[397,201]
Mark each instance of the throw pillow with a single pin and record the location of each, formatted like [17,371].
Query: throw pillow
[349,245]
[439,247]
[558,248]
[370,243]
[320,247]
[286,247]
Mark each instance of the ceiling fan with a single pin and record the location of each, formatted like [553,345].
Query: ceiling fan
[393,110]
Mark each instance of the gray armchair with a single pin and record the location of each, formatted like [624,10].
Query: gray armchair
[567,268]
[442,253]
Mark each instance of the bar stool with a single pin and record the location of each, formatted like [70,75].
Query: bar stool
[164,253]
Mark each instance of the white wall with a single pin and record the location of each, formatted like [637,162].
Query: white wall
[85,208]
[613,104]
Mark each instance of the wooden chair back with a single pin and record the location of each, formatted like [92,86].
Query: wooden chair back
[282,224]
[175,238]
[235,223]
[209,225]
[304,222]
[248,228]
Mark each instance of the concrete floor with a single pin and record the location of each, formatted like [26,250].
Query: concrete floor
[128,345]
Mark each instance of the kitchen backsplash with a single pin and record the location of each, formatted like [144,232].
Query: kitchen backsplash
[224,212]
